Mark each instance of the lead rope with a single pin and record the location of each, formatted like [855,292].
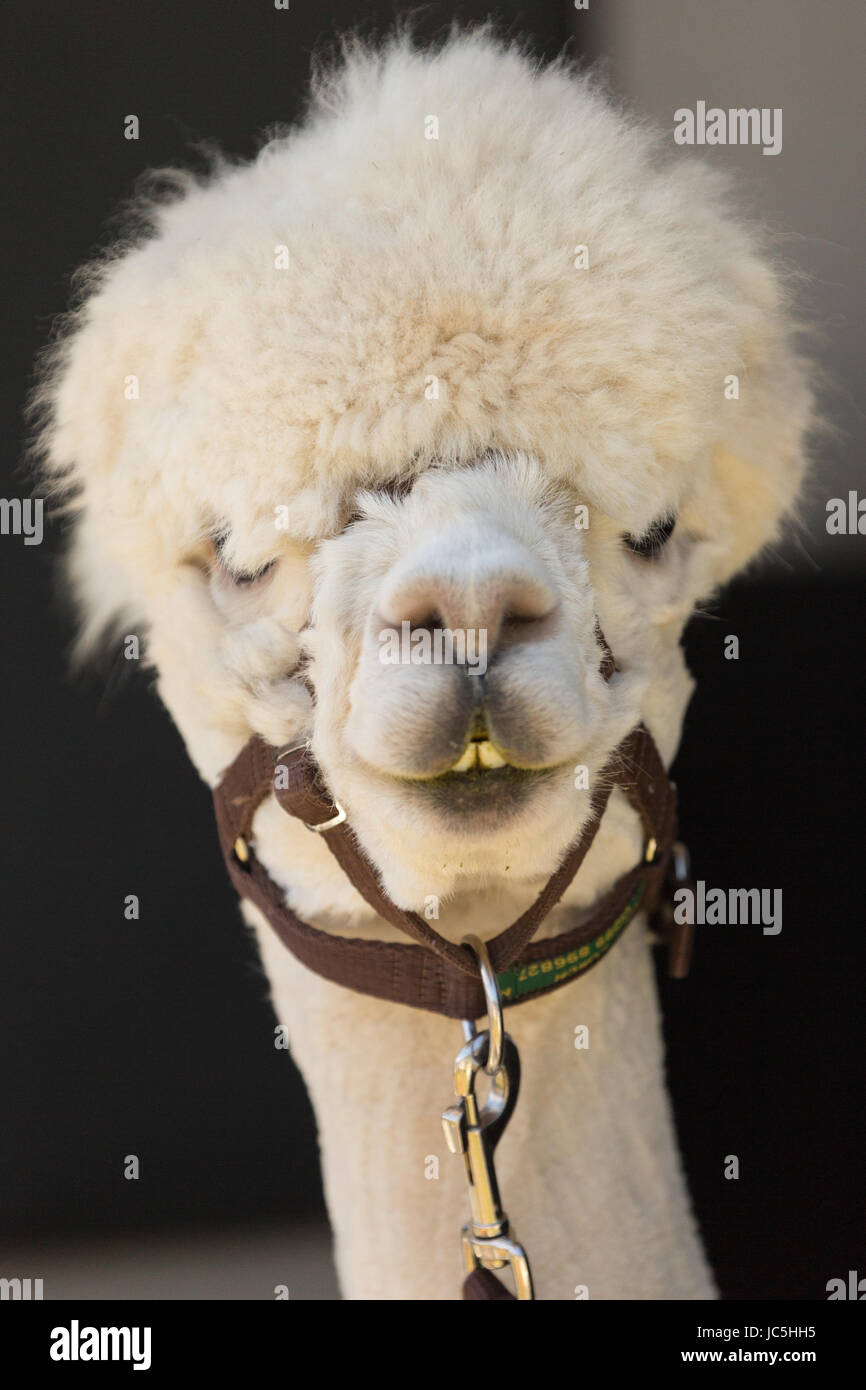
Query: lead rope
[474,1132]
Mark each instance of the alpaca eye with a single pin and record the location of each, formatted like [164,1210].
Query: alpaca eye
[241,577]
[238,577]
[653,540]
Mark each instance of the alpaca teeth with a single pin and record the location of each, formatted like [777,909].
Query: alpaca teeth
[488,756]
[479,755]
[466,759]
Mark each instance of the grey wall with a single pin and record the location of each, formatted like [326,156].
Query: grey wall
[807,58]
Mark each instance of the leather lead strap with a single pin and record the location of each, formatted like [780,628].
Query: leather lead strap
[483,1285]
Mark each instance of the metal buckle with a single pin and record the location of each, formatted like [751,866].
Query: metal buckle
[291,748]
[678,937]
[682,864]
[475,1131]
[328,824]
[325,824]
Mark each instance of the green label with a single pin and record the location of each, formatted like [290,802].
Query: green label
[543,974]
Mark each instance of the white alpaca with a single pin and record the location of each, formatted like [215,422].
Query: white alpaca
[396,293]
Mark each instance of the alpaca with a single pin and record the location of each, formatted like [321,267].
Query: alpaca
[454,353]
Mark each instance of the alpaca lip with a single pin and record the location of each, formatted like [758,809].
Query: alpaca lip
[481,791]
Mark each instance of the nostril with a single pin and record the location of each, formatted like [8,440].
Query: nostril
[422,620]
[416,602]
[429,622]
[522,625]
[526,598]
[515,619]
[495,589]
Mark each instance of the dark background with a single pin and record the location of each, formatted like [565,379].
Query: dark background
[155,1037]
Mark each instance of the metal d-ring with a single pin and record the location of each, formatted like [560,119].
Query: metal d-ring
[493,1003]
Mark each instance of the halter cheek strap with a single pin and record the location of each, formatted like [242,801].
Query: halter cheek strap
[434,973]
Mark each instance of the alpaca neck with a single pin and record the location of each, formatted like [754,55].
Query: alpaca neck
[588,1168]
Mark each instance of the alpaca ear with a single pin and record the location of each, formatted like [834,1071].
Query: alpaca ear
[95,438]
[102,587]
[82,398]
[761,496]
[757,468]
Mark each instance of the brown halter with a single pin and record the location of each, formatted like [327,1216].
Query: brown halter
[434,973]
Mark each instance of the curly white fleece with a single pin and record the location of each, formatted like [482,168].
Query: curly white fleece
[413,258]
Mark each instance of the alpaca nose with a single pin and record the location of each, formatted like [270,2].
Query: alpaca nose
[499,589]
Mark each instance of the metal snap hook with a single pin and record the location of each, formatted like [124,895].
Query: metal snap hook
[473,1129]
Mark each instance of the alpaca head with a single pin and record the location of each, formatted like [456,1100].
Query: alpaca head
[407,409]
